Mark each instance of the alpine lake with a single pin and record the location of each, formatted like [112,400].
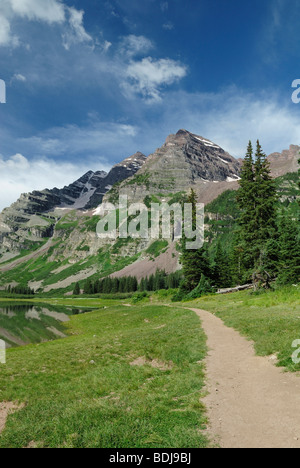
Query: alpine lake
[23,323]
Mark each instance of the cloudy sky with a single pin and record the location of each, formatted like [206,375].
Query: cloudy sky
[90,83]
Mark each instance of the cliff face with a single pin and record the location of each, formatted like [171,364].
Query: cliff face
[285,162]
[119,172]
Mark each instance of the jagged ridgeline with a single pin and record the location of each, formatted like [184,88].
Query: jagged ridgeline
[48,238]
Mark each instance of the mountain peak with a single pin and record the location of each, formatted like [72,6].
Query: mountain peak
[182,137]
[188,158]
[182,131]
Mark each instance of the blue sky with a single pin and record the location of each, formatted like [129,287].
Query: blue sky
[90,83]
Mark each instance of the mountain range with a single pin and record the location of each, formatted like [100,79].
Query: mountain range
[50,236]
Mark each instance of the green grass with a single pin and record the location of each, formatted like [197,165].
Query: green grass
[91,224]
[30,247]
[157,248]
[140,179]
[66,226]
[271,319]
[71,402]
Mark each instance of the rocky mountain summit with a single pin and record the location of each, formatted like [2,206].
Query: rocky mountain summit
[188,158]
[55,229]
[184,161]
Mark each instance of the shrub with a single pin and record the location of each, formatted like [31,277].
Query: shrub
[140,296]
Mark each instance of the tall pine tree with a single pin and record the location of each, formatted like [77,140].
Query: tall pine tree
[289,247]
[195,263]
[257,200]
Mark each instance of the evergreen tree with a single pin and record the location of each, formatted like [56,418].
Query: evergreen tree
[76,291]
[100,287]
[134,284]
[289,245]
[204,287]
[265,258]
[150,285]
[87,287]
[195,263]
[221,270]
[122,285]
[115,286]
[97,287]
[106,288]
[257,200]
[246,199]
[142,285]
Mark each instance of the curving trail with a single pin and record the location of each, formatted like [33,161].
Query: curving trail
[251,403]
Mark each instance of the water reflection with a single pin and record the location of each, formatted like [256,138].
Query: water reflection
[24,323]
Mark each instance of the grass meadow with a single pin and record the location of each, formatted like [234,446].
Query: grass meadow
[125,377]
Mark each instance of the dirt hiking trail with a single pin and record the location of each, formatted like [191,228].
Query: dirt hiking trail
[251,403]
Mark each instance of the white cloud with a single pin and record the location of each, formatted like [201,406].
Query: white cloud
[147,76]
[106,46]
[97,141]
[50,11]
[168,26]
[20,175]
[76,34]
[19,77]
[6,38]
[232,117]
[164,6]
[135,45]
[4,30]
